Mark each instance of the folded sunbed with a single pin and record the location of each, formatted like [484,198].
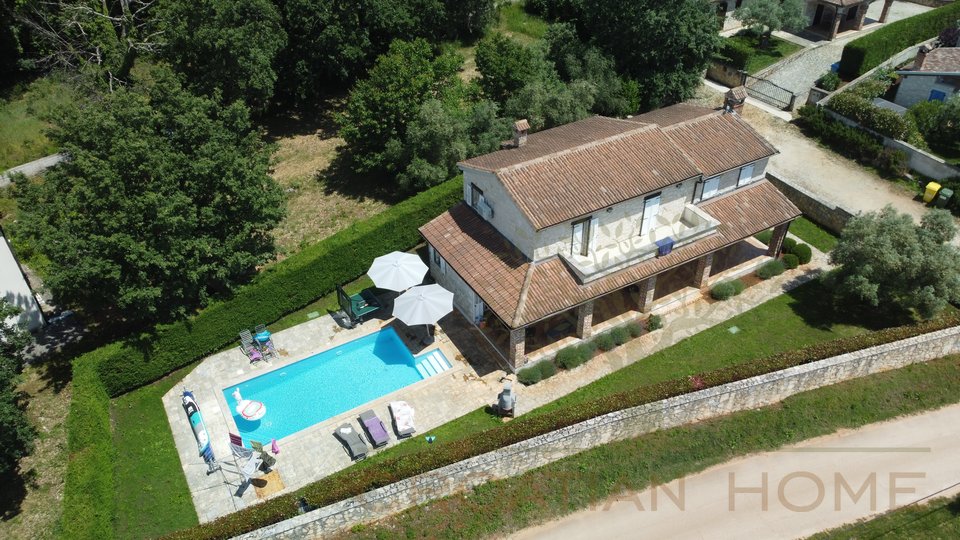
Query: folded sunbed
[375,428]
[402,414]
[352,441]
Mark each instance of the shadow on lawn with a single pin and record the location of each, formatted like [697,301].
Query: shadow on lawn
[815,305]
[13,493]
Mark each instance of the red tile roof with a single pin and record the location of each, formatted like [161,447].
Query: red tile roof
[942,60]
[719,142]
[521,292]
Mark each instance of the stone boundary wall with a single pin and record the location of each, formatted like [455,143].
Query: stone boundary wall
[830,216]
[32,168]
[931,3]
[524,456]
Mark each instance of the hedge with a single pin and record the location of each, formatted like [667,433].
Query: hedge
[733,53]
[281,289]
[727,289]
[868,115]
[790,261]
[88,495]
[349,483]
[770,268]
[803,253]
[865,53]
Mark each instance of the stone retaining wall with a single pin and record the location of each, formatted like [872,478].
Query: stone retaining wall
[538,451]
[828,215]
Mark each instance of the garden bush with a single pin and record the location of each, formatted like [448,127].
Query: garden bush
[348,483]
[764,236]
[733,53]
[635,329]
[547,369]
[529,375]
[280,289]
[867,52]
[789,244]
[571,357]
[605,342]
[588,349]
[868,115]
[770,269]
[803,253]
[727,289]
[893,162]
[654,322]
[829,81]
[851,142]
[790,261]
[620,335]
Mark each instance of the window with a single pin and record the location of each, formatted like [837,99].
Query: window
[580,244]
[711,186]
[476,195]
[937,95]
[746,174]
[651,206]
[438,260]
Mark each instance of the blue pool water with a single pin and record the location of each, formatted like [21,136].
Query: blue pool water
[325,385]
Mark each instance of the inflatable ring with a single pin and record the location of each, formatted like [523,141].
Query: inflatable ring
[251,410]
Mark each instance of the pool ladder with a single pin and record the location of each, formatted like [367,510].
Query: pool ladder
[433,364]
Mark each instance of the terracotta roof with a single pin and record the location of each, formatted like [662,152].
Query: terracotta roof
[942,60]
[674,114]
[521,292]
[719,142]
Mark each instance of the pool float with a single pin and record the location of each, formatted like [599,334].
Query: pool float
[251,410]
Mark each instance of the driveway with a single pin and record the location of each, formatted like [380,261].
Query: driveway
[811,486]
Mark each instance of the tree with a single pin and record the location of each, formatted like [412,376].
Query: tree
[224,47]
[16,433]
[767,16]
[507,66]
[164,203]
[381,106]
[885,261]
[548,103]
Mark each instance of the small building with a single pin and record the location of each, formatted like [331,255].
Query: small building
[604,219]
[934,76]
[15,289]
[826,17]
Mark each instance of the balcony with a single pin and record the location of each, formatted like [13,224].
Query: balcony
[688,226]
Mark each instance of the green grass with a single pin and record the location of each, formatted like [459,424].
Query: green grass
[813,234]
[152,496]
[22,137]
[777,50]
[939,518]
[522,26]
[573,483]
[325,305]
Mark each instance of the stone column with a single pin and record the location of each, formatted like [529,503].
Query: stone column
[776,241]
[647,289]
[838,15]
[516,354]
[886,10]
[585,320]
[703,270]
[861,15]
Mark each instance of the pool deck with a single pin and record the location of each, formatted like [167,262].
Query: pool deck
[313,453]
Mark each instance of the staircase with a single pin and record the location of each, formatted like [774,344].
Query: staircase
[433,364]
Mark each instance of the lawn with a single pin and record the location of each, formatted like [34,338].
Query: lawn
[939,518]
[813,234]
[573,483]
[22,137]
[777,50]
[520,25]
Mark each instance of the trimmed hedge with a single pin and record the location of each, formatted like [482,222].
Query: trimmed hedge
[349,482]
[865,53]
[770,268]
[788,245]
[537,372]
[868,115]
[88,495]
[803,253]
[727,289]
[733,53]
[790,261]
[281,289]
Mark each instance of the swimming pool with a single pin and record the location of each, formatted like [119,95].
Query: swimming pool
[326,384]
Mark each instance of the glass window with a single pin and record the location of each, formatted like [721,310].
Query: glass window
[476,195]
[746,174]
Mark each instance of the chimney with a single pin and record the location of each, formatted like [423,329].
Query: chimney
[921,56]
[520,129]
[734,99]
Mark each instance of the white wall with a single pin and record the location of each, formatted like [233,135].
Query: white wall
[916,89]
[448,278]
[14,288]
[507,217]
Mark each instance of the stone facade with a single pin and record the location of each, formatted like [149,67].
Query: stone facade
[824,213]
[585,320]
[703,270]
[629,423]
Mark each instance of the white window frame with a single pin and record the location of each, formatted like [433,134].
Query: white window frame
[582,229]
[438,260]
[646,220]
[709,194]
[749,170]
[476,196]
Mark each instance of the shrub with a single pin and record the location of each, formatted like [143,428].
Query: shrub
[571,357]
[635,329]
[789,244]
[893,162]
[605,342]
[350,482]
[281,289]
[764,236]
[790,261]
[829,81]
[803,253]
[868,115]
[620,335]
[770,269]
[734,53]
[654,322]
[727,289]
[547,369]
[587,349]
[530,375]
[871,88]
[865,53]
[926,115]
[851,142]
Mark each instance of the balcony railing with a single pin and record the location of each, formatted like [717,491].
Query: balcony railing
[683,228]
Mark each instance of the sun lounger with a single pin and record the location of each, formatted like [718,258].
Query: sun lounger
[248,463]
[268,460]
[375,429]
[352,441]
[402,414]
[358,306]
[252,353]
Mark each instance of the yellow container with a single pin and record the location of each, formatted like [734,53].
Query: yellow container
[931,192]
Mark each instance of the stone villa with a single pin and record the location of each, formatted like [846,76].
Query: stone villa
[825,17]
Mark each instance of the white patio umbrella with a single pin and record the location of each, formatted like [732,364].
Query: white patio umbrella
[425,304]
[397,271]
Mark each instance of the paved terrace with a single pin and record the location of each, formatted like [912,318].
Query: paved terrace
[473,382]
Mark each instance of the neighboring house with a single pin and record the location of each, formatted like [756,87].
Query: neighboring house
[826,17]
[603,216]
[935,75]
[15,289]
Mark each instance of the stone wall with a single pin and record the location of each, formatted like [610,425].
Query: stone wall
[629,423]
[828,215]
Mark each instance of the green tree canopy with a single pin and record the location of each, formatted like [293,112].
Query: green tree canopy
[16,433]
[886,261]
[507,66]
[224,47]
[767,16]
[164,202]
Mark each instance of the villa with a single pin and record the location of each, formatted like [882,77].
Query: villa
[934,76]
[604,217]
[828,18]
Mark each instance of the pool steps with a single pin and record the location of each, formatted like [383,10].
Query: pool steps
[433,364]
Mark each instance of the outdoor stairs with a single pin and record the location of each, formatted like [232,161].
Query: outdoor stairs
[433,364]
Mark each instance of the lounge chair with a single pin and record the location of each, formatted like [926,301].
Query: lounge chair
[252,353]
[358,306]
[376,431]
[352,441]
[248,463]
[402,414]
[268,460]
